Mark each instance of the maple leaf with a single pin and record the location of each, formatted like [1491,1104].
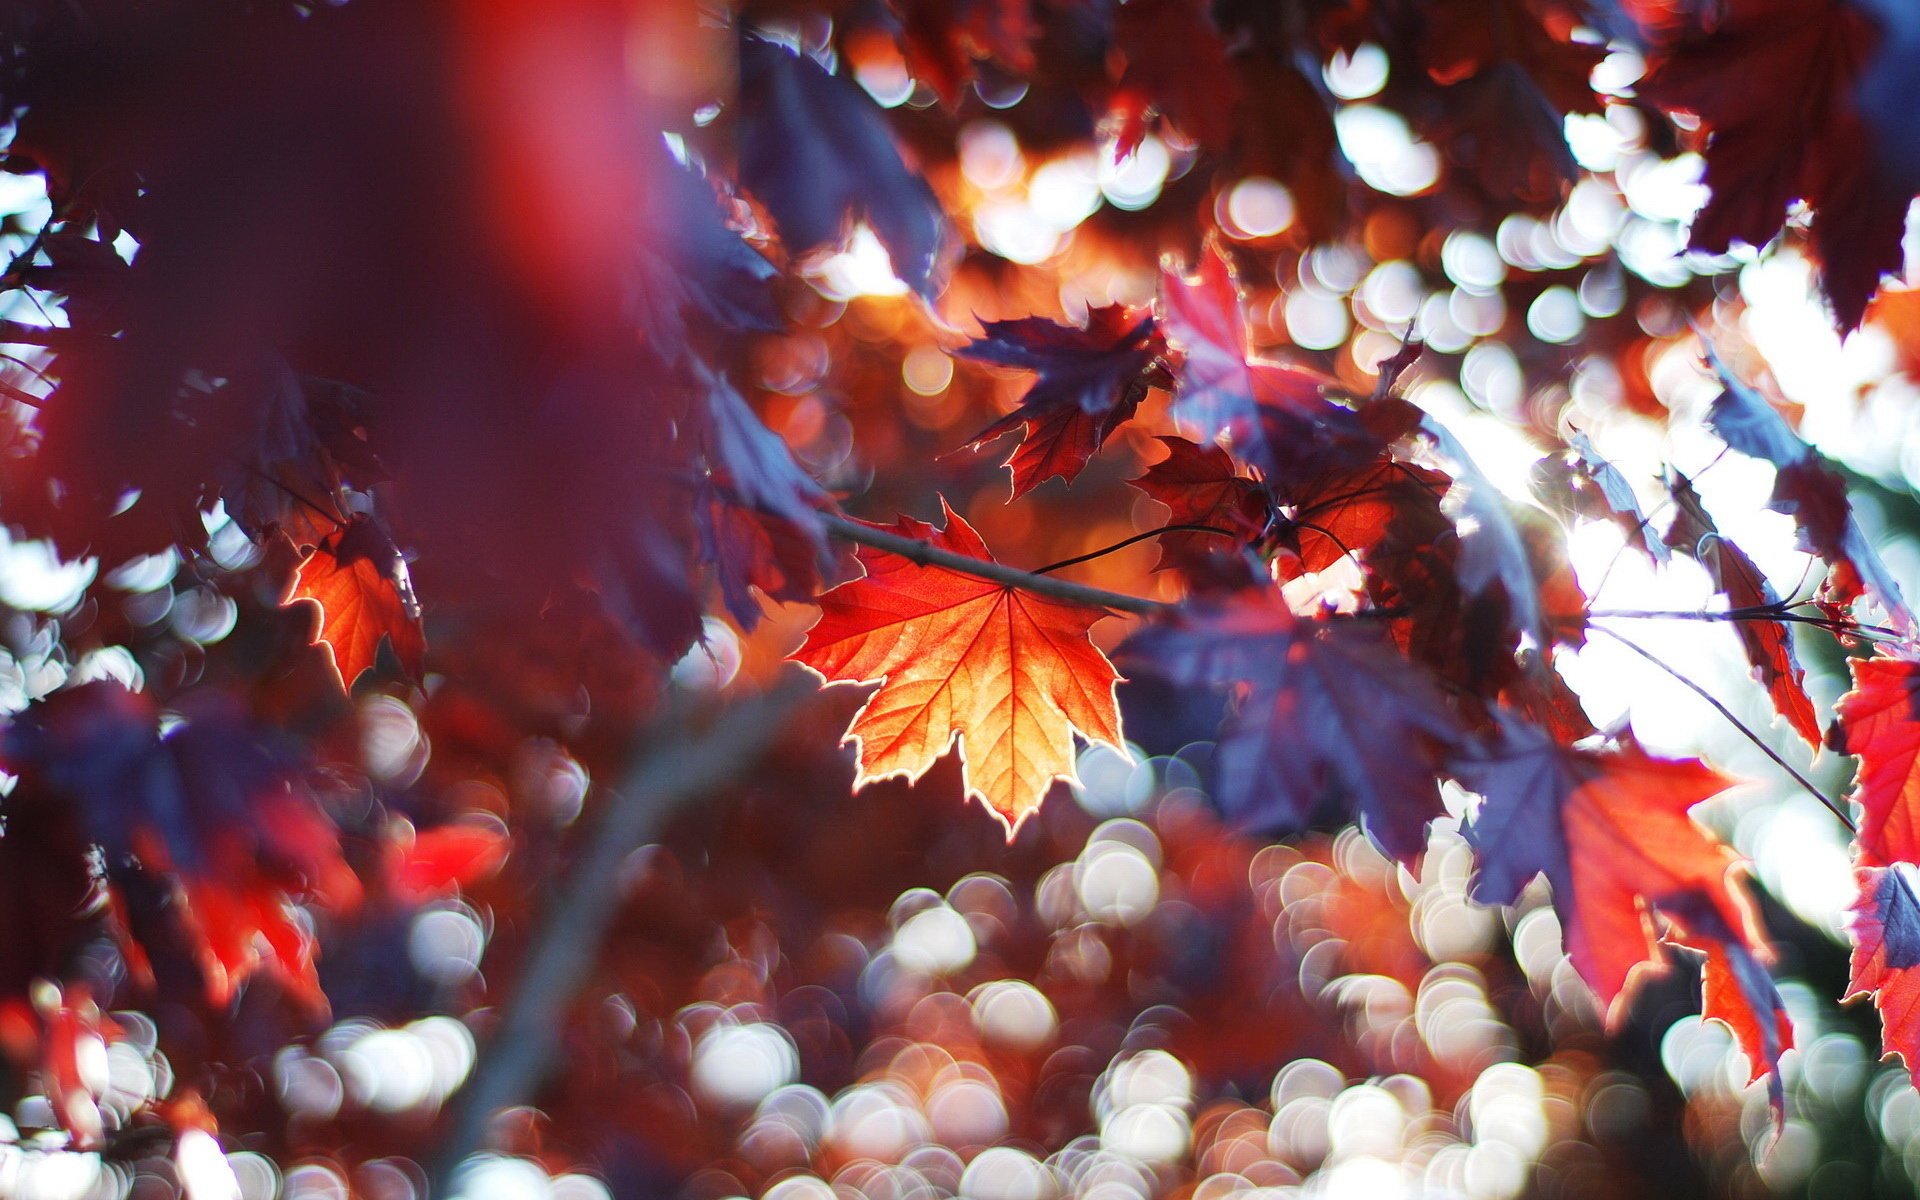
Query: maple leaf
[1507,75]
[941,40]
[1386,512]
[1091,381]
[1879,720]
[814,149]
[359,582]
[1006,674]
[753,461]
[1274,415]
[1768,645]
[210,807]
[1798,137]
[1737,989]
[1811,493]
[1886,958]
[690,265]
[1579,483]
[423,865]
[1175,64]
[1611,834]
[1387,517]
[755,550]
[1316,702]
[757,514]
[304,441]
[1201,486]
[1497,558]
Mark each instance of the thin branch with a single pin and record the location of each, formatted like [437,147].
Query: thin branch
[1766,612]
[673,767]
[21,396]
[1123,543]
[916,551]
[1831,804]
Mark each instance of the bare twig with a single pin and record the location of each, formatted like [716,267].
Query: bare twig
[672,768]
[917,551]
[1832,805]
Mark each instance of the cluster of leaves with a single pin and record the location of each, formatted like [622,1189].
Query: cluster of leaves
[433,343]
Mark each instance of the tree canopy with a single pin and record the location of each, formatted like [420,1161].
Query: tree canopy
[1003,599]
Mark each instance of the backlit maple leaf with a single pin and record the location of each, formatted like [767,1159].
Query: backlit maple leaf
[1319,704]
[1886,955]
[1610,832]
[1579,483]
[1737,989]
[1387,513]
[1006,674]
[1812,493]
[1091,381]
[1879,720]
[1772,82]
[1768,645]
[359,582]
[1274,415]
[1201,486]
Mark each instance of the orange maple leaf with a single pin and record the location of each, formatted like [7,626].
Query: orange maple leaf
[358,581]
[1004,672]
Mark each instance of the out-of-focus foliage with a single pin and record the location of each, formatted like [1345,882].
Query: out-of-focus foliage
[426,425]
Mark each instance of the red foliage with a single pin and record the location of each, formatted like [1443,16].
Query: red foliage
[603,321]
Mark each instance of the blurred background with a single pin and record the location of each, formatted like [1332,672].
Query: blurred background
[813,994]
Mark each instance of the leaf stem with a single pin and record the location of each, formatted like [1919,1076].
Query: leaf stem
[916,551]
[1831,805]
[1123,543]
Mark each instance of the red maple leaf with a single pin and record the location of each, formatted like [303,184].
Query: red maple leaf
[1176,65]
[1768,645]
[359,582]
[1091,381]
[1812,493]
[1879,720]
[1737,989]
[1201,486]
[210,808]
[1006,674]
[425,864]
[1315,704]
[1773,82]
[1273,415]
[1610,832]
[1886,958]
